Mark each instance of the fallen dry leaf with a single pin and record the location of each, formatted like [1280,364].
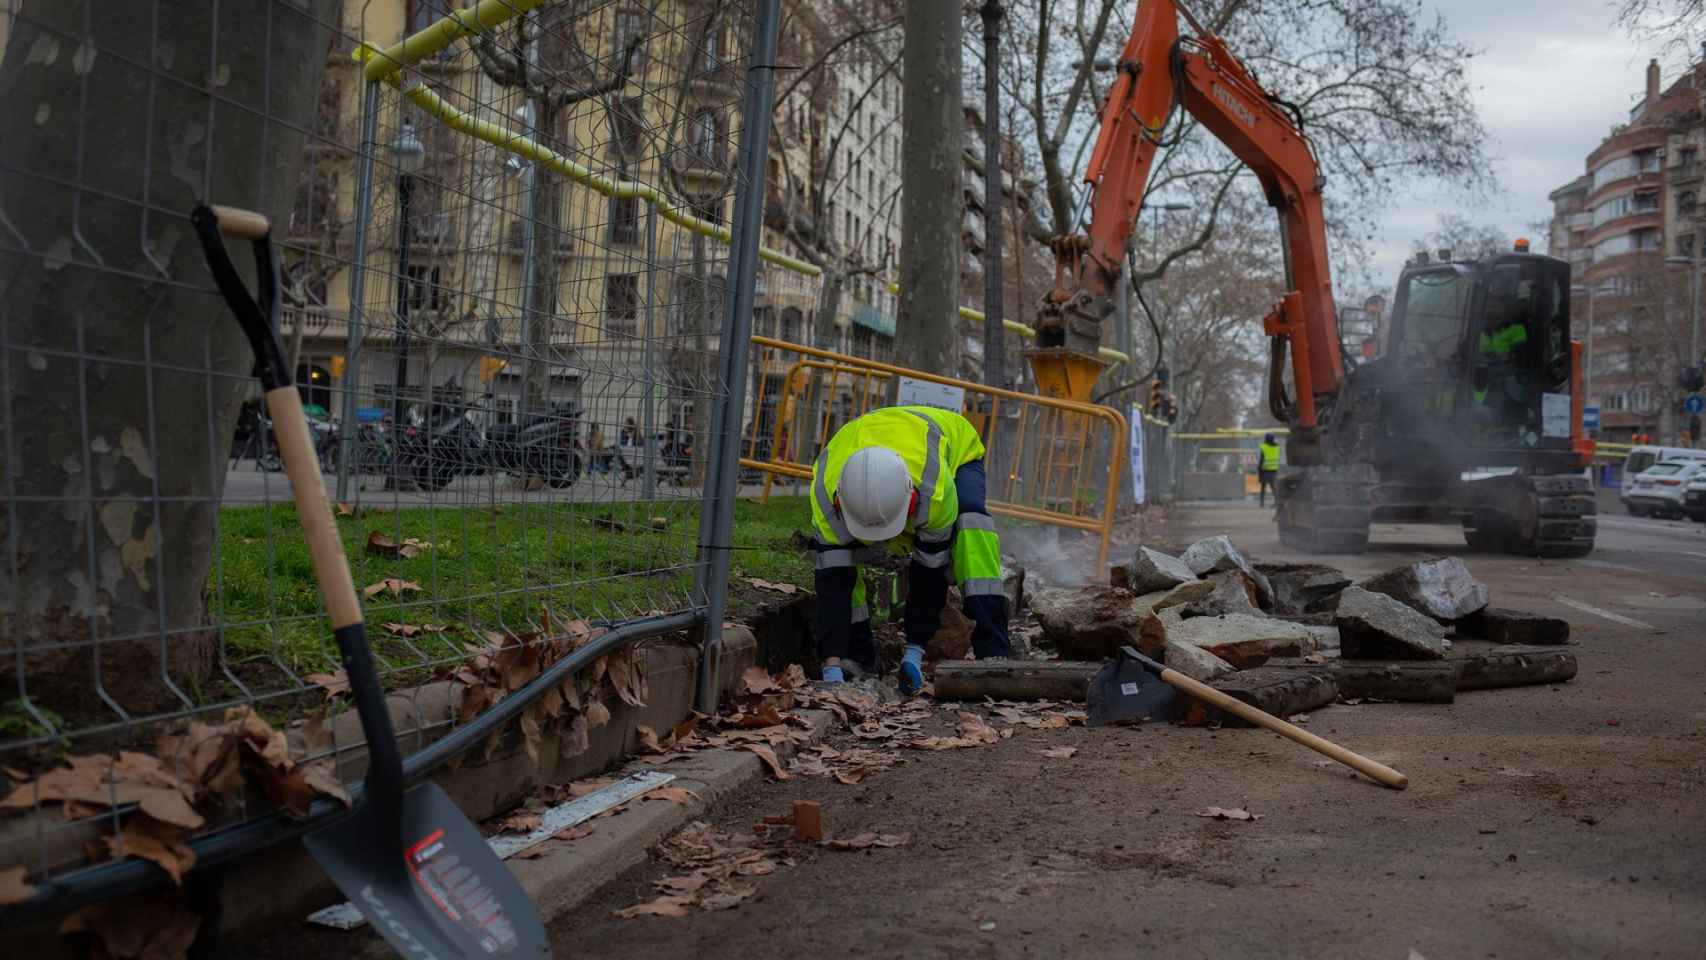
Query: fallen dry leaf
[396,586]
[13,889]
[572,833]
[661,907]
[866,841]
[972,727]
[794,678]
[523,822]
[757,680]
[672,794]
[401,629]
[724,899]
[380,545]
[784,588]
[1059,753]
[1228,813]
[162,843]
[691,883]
[346,509]
[769,757]
[336,683]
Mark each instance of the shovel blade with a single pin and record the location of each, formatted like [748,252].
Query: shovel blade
[441,893]
[1125,691]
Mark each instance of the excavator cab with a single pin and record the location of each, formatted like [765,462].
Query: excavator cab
[1479,364]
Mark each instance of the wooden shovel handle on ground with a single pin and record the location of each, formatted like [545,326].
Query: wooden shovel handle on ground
[1378,772]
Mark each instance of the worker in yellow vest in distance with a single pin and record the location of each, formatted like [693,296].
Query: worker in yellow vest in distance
[899,478]
[1268,469]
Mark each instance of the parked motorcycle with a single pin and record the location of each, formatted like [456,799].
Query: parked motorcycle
[441,445]
[546,445]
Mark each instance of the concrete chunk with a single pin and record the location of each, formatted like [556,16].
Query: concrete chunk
[1195,662]
[1093,622]
[1514,626]
[1240,639]
[1234,592]
[1152,570]
[1442,588]
[1217,554]
[1373,626]
[1303,588]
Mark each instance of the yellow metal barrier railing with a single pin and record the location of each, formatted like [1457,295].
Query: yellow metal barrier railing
[1045,469]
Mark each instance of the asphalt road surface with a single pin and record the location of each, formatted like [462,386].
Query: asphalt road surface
[1552,821]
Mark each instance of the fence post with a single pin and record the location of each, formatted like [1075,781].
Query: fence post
[720,486]
[648,392]
[350,429]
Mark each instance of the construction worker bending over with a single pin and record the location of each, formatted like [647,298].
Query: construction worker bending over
[1268,469]
[904,477]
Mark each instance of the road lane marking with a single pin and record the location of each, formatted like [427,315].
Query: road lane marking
[1607,614]
[1608,565]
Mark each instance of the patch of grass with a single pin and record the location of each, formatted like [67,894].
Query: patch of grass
[488,569]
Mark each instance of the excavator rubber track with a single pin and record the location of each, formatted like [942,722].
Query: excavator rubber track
[1537,516]
[1325,509]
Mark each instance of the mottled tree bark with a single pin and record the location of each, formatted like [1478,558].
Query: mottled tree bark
[123,371]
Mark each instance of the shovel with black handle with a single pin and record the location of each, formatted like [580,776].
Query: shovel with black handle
[409,861]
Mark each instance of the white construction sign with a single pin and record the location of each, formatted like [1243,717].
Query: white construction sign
[923,393]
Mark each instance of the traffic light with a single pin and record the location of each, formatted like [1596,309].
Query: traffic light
[1157,399]
[489,367]
[338,366]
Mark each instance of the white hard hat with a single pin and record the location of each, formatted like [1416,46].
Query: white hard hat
[875,494]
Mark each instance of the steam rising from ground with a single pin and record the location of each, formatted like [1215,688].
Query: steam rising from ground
[1051,556]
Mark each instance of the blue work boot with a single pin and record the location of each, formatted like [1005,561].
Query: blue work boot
[912,670]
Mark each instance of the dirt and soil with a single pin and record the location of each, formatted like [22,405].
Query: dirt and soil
[1554,821]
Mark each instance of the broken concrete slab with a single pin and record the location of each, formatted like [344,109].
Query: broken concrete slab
[1093,622]
[1277,691]
[1485,667]
[1152,633]
[1373,626]
[1326,639]
[1152,571]
[1090,622]
[1410,681]
[1514,627]
[1240,639]
[1194,661]
[1442,588]
[1217,554]
[1234,592]
[1303,588]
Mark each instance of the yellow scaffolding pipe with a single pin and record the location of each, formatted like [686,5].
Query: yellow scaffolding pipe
[532,150]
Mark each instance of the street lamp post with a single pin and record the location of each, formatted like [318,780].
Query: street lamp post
[409,153]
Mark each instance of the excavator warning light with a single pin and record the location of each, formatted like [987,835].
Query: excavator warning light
[1521,244]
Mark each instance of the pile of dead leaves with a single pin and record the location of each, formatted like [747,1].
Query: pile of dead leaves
[846,766]
[503,664]
[153,803]
[719,868]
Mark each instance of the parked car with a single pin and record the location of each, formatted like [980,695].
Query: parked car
[1694,497]
[1643,457]
[1658,490]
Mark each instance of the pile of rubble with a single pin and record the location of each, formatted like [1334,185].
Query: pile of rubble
[1284,637]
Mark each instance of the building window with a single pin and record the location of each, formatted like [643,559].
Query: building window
[624,220]
[705,138]
[864,342]
[629,118]
[423,13]
[1685,203]
[711,57]
[1685,158]
[1685,245]
[621,303]
[631,29]
[421,289]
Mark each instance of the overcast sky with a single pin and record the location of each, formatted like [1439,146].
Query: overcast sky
[1553,78]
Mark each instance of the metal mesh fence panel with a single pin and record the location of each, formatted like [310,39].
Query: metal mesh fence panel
[506,257]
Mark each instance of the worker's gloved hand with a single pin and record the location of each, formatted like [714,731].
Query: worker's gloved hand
[833,675]
[912,670]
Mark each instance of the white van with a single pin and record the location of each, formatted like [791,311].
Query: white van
[1641,458]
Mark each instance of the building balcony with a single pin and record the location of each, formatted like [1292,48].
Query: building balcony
[1688,174]
[1651,180]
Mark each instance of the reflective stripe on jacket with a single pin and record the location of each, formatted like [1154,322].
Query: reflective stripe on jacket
[934,443]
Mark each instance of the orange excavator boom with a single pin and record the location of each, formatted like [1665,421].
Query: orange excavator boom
[1159,71]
